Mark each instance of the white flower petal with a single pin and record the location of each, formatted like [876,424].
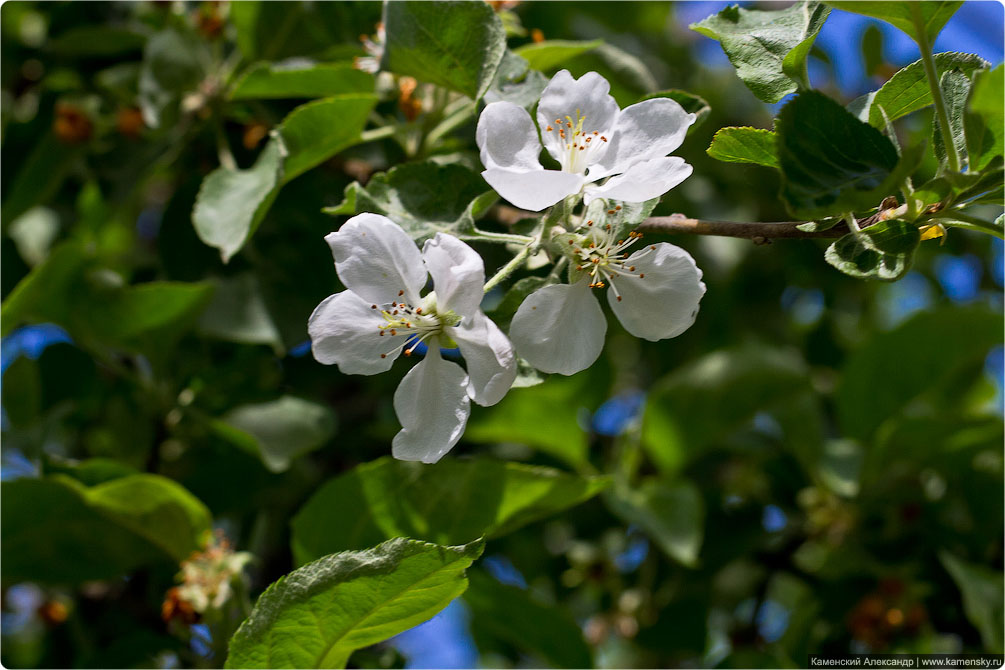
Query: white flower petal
[563,96]
[507,137]
[432,405]
[648,129]
[663,303]
[458,274]
[489,357]
[344,331]
[559,328]
[375,259]
[533,190]
[643,181]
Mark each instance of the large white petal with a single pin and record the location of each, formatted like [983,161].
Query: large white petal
[489,357]
[590,95]
[507,137]
[376,259]
[648,129]
[432,405]
[533,190]
[458,274]
[643,181]
[344,331]
[663,303]
[560,328]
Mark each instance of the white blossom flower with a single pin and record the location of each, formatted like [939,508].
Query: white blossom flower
[591,138]
[654,293]
[363,329]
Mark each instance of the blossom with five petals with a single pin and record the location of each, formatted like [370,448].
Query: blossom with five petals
[382,313]
[654,292]
[583,129]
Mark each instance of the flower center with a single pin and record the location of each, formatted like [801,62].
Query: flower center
[604,259]
[578,146]
[414,324]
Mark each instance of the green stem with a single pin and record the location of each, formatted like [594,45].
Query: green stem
[376,133]
[508,269]
[957,219]
[933,85]
[448,124]
[506,238]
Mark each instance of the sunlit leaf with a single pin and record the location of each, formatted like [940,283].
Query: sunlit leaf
[317,615]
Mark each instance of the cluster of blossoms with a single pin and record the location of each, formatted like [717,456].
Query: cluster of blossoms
[207,580]
[560,328]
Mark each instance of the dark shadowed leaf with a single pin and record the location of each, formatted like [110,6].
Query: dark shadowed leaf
[833,163]
[881,251]
[299,80]
[671,513]
[96,532]
[983,593]
[450,502]
[454,44]
[279,430]
[515,616]
[895,367]
[412,195]
[317,615]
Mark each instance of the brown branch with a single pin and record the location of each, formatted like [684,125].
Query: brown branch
[678,223]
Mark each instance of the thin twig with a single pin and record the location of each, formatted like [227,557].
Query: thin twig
[678,223]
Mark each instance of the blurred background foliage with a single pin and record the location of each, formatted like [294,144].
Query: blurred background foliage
[815,466]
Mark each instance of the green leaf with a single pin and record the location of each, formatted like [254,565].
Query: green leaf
[983,592]
[38,176]
[174,63]
[768,48]
[412,195]
[882,377]
[21,392]
[545,417]
[232,203]
[317,615]
[701,404]
[671,513]
[44,292]
[548,55]
[744,145]
[279,430]
[89,472]
[238,314]
[96,532]
[955,88]
[515,82]
[934,14]
[454,44]
[883,251]
[96,310]
[513,615]
[316,131]
[298,80]
[96,41]
[450,502]
[907,90]
[985,118]
[691,103]
[833,163]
